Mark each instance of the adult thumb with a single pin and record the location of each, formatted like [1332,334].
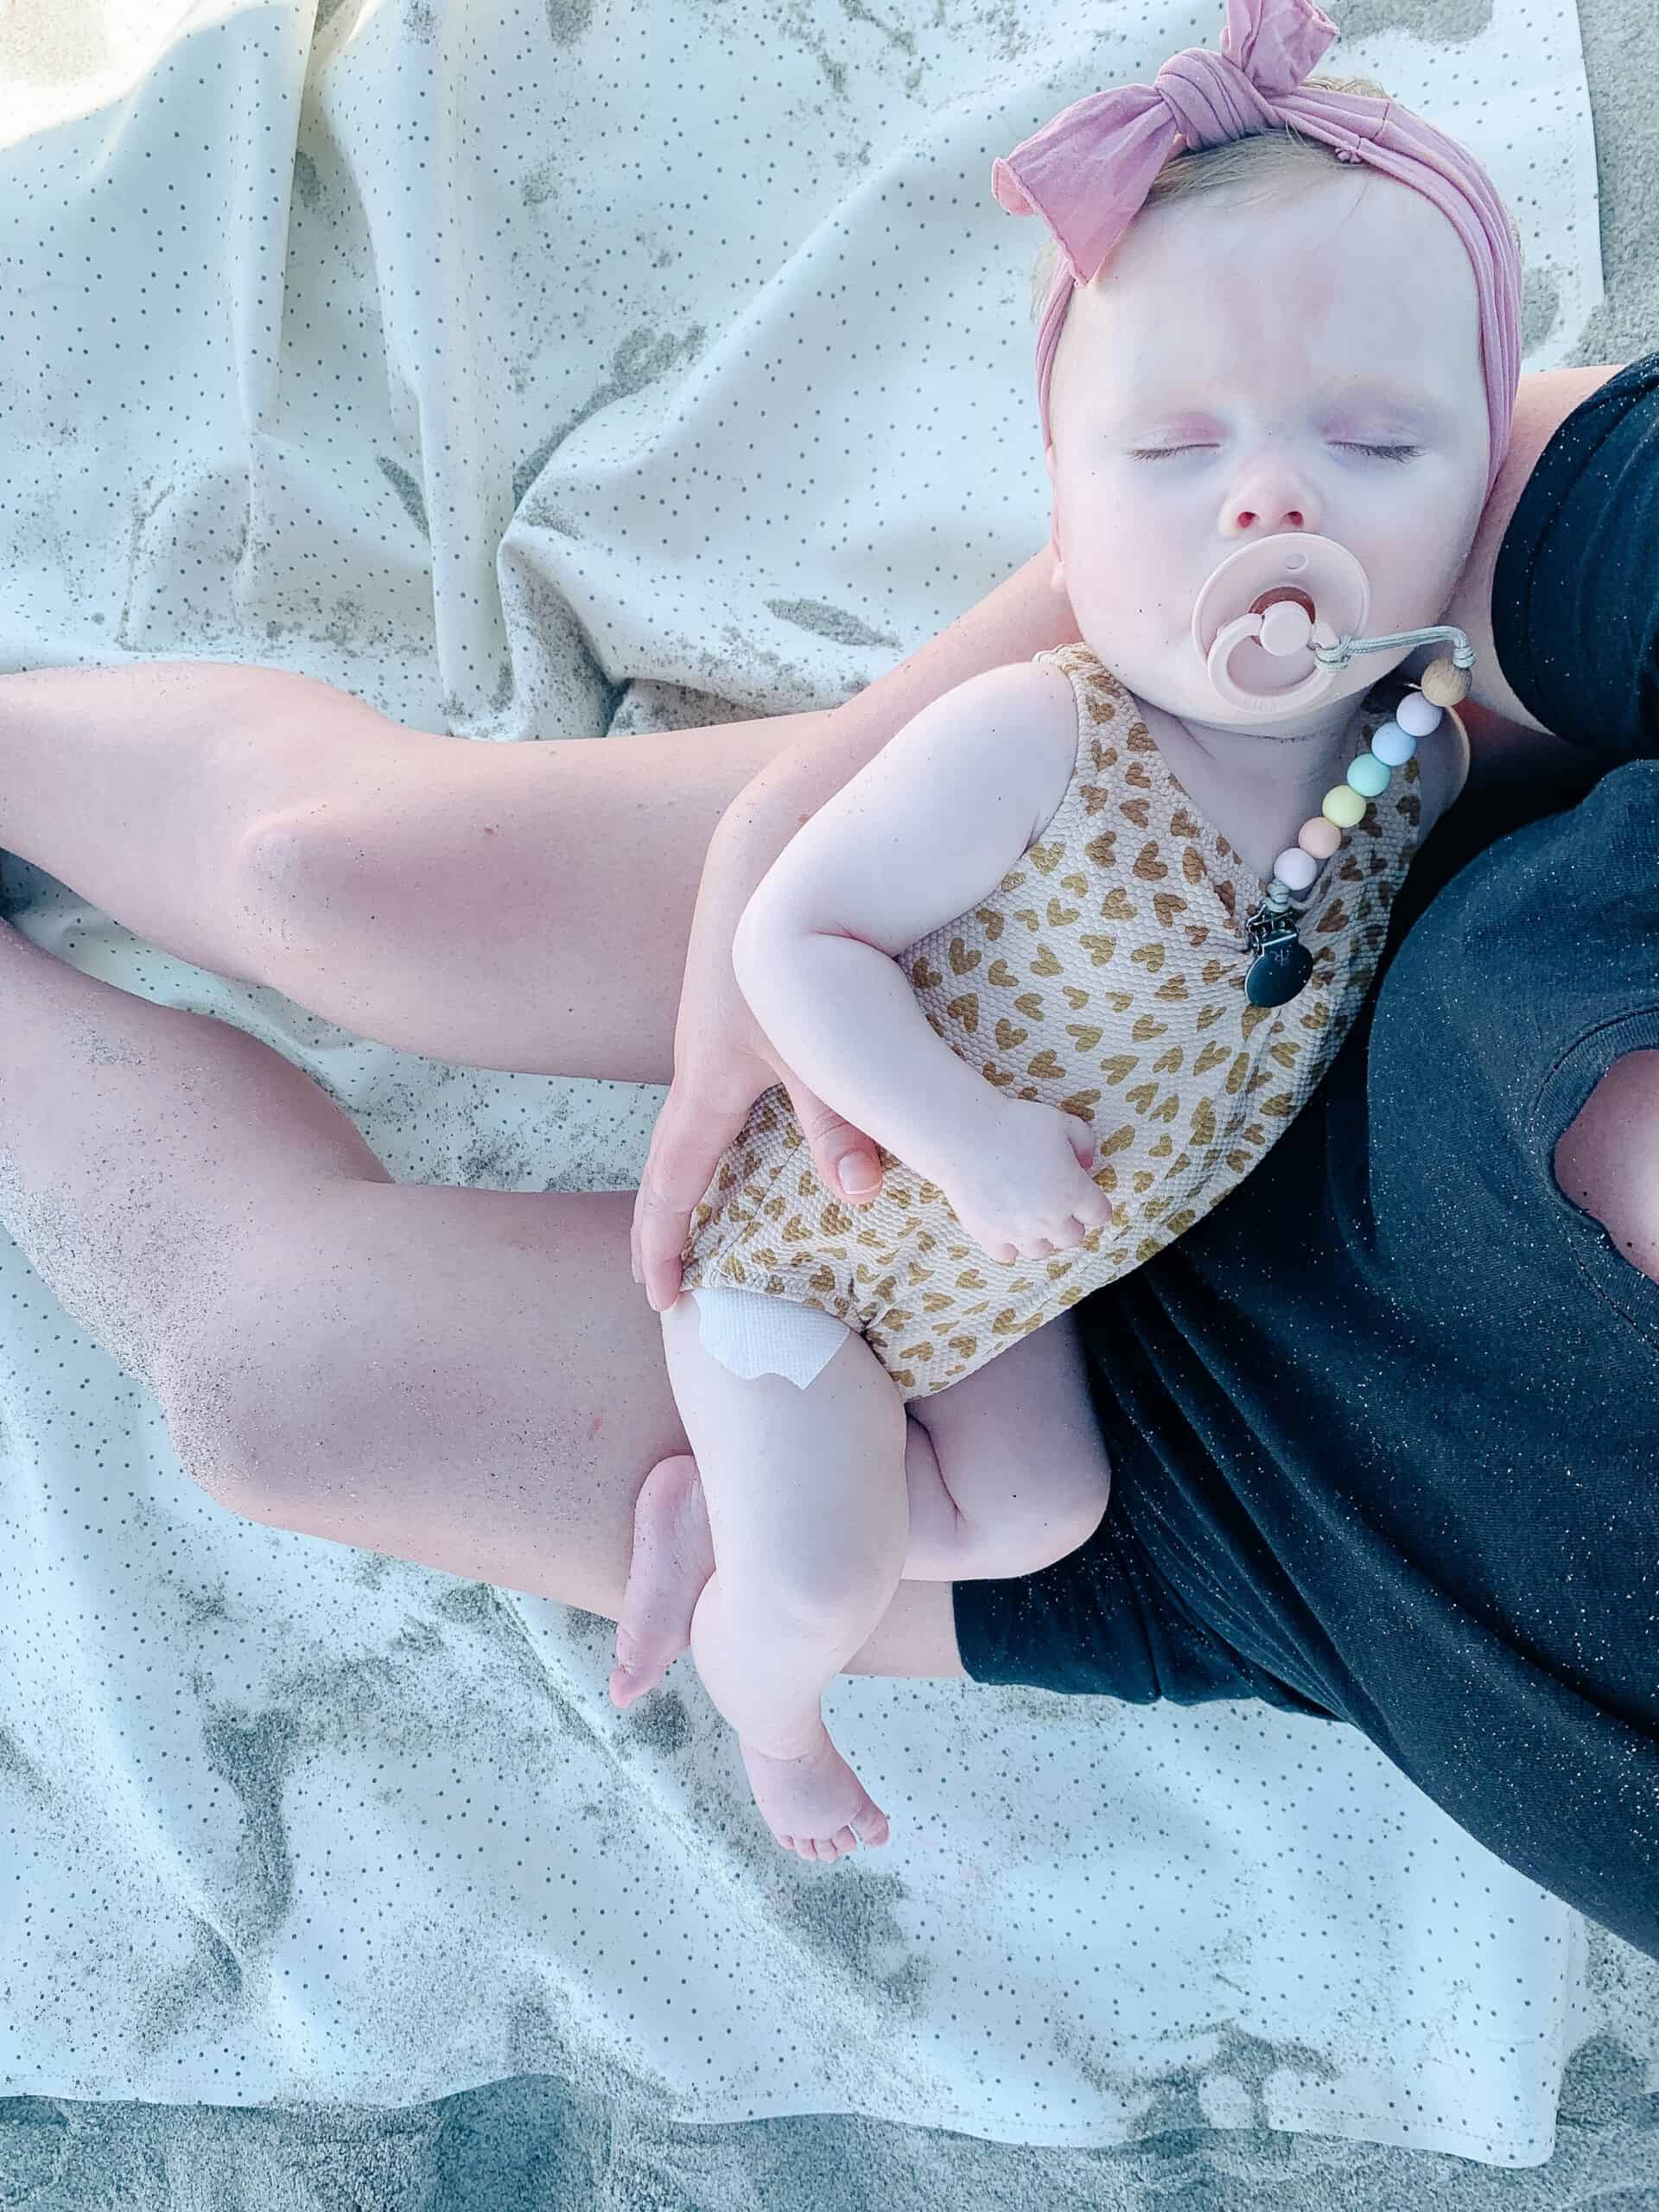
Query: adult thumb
[847,1160]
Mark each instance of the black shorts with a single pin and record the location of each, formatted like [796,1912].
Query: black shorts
[1106,1621]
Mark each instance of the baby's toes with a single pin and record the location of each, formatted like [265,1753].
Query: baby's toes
[829,1848]
[814,1786]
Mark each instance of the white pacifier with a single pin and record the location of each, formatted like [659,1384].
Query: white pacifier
[1264,610]
[1277,619]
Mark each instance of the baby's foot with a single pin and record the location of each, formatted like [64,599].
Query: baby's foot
[815,1805]
[673,1557]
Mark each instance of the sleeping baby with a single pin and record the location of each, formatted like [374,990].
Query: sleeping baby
[1077,944]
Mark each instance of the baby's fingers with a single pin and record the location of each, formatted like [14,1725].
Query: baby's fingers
[1094,1209]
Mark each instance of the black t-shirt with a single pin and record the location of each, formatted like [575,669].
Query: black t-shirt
[1384,1427]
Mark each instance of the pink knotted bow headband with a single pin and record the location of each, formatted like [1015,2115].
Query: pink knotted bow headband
[1088,172]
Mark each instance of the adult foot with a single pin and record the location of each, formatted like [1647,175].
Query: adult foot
[673,1557]
[814,1804]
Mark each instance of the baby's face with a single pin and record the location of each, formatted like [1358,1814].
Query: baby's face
[1270,344]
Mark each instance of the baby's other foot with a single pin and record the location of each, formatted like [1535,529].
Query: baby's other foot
[815,1805]
[673,1557]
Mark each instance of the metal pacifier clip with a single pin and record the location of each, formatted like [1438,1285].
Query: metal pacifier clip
[1272,624]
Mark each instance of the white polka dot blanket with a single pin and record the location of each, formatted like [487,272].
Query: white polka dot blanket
[545,373]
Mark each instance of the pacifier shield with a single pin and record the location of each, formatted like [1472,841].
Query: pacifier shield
[1253,628]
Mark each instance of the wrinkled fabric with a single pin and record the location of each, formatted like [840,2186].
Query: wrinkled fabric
[469,358]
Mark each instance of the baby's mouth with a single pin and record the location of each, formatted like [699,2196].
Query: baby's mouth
[1284,592]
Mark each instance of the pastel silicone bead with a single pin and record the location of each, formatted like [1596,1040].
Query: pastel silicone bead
[1320,838]
[1393,746]
[1369,776]
[1295,869]
[1343,806]
[1417,714]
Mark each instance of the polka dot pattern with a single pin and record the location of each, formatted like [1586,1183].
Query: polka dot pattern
[539,372]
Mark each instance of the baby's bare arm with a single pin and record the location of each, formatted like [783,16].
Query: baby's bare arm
[845,1017]
[916,838]
[722,1058]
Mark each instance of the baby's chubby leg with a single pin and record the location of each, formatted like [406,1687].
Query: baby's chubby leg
[1019,1452]
[1005,1472]
[806,1500]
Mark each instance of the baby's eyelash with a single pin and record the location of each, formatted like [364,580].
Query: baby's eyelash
[1377,453]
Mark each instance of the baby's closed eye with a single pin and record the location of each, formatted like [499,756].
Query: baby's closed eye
[1377,453]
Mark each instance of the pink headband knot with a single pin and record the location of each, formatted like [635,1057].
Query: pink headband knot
[1088,171]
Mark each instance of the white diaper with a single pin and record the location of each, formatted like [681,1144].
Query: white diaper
[750,1334]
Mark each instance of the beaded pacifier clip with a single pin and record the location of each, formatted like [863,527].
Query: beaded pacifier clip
[1283,964]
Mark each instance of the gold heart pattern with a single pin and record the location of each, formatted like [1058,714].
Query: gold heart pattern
[1104,976]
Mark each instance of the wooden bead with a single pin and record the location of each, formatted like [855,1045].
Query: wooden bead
[1444,684]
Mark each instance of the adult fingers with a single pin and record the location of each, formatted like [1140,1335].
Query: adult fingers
[847,1160]
[692,1131]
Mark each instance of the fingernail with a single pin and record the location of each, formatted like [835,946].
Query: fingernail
[857,1172]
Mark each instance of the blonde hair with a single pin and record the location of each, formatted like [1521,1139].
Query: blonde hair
[1252,168]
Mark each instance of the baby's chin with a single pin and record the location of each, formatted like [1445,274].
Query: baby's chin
[1197,705]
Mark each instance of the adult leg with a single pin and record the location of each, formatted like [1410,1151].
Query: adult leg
[503,905]
[464,1378]
[524,906]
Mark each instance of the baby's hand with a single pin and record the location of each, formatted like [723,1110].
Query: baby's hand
[1025,1191]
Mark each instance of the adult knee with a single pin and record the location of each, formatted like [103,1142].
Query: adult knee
[214,1437]
[291,868]
[229,1400]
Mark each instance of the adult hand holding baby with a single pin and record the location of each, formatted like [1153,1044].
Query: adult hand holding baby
[722,1062]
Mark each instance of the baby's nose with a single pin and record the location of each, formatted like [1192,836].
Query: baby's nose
[1292,519]
[1267,499]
